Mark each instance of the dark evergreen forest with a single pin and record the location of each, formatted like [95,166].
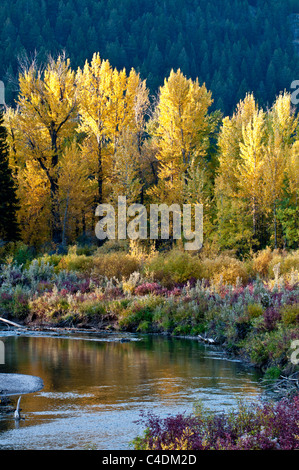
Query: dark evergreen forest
[233,46]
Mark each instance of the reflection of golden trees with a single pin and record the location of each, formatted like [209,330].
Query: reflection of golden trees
[110,372]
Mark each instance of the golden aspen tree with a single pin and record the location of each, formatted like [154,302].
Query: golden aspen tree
[46,118]
[32,183]
[138,95]
[289,212]
[281,127]
[274,174]
[251,166]
[121,106]
[76,192]
[124,117]
[233,220]
[293,169]
[125,173]
[180,131]
[35,207]
[94,85]
[13,139]
[110,101]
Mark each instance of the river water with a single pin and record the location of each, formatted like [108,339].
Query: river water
[96,386]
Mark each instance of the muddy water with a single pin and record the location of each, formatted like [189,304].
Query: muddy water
[95,387]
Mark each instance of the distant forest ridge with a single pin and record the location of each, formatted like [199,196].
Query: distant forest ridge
[233,46]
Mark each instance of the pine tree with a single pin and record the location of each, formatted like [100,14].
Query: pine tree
[9,230]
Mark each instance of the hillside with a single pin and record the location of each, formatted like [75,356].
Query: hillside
[233,46]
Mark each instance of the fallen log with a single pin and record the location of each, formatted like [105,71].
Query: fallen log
[11,323]
[207,340]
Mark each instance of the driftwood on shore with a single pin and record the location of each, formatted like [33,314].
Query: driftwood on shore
[284,386]
[207,340]
[11,323]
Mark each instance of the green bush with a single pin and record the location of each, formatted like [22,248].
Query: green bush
[290,314]
[77,263]
[270,349]
[91,308]
[144,326]
[272,373]
[17,252]
[112,246]
[138,311]
[255,310]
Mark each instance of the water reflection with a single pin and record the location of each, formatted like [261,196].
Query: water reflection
[96,386]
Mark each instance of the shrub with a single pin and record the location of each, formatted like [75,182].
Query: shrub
[288,262]
[53,259]
[271,348]
[267,426]
[261,262]
[114,265]
[144,326]
[254,310]
[87,249]
[39,270]
[20,305]
[272,374]
[225,269]
[150,288]
[74,262]
[51,306]
[139,312]
[91,308]
[112,246]
[290,314]
[174,267]
[243,327]
[22,254]
[271,318]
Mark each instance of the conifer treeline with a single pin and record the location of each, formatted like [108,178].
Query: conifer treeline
[78,138]
[234,46]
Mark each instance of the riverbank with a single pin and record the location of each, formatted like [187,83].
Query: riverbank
[249,309]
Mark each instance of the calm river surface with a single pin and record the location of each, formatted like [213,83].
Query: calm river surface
[95,387]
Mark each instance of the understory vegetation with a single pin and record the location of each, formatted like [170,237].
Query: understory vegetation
[248,307]
[260,427]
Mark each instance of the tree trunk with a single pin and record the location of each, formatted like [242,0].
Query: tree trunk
[56,225]
[100,173]
[254,222]
[275,225]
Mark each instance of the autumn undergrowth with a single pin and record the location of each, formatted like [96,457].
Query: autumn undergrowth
[249,308]
[265,426]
